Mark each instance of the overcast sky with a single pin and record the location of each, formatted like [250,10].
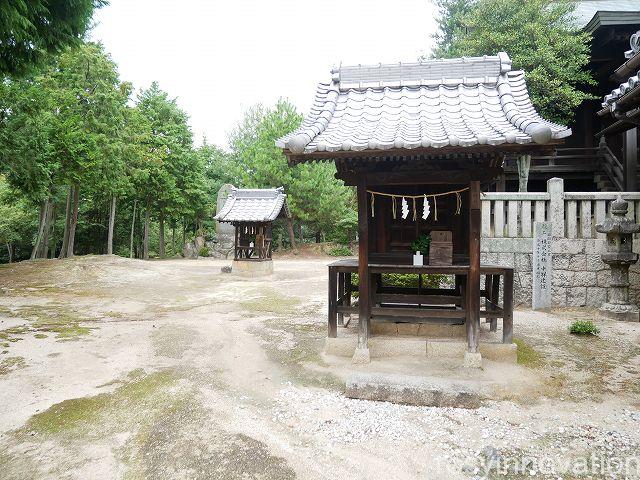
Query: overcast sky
[220,57]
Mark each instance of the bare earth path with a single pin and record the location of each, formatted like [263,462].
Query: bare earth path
[117,368]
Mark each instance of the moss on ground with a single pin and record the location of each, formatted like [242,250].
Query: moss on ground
[527,355]
[65,323]
[297,356]
[271,301]
[79,416]
[10,364]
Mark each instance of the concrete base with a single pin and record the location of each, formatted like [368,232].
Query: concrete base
[251,268]
[412,390]
[361,356]
[625,313]
[385,347]
[472,360]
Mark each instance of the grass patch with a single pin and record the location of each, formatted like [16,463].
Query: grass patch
[527,355]
[581,327]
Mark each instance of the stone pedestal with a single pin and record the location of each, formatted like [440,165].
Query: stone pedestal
[252,268]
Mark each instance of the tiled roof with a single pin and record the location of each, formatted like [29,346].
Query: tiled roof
[436,103]
[629,89]
[625,91]
[253,205]
[586,9]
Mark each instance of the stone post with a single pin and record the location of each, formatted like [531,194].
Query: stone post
[542,265]
[555,187]
[619,256]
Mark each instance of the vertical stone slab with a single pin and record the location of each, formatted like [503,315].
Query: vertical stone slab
[225,232]
[542,265]
[555,187]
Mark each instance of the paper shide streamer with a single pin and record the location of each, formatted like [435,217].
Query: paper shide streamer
[426,205]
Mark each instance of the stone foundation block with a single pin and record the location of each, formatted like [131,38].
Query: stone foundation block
[251,268]
[413,390]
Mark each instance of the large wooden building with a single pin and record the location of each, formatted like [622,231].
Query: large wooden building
[418,141]
[594,159]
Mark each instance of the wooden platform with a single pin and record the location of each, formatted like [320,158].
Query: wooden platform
[421,305]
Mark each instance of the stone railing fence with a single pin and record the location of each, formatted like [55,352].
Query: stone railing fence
[573,214]
[578,277]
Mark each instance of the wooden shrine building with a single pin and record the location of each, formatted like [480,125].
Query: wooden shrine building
[252,213]
[417,141]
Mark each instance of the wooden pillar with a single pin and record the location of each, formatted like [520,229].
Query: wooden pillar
[332,324]
[341,297]
[473,277]
[630,157]
[364,294]
[507,306]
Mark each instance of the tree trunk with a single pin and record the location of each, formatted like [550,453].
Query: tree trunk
[292,237]
[73,222]
[48,223]
[112,221]
[133,224]
[9,251]
[318,237]
[67,221]
[147,220]
[40,234]
[161,249]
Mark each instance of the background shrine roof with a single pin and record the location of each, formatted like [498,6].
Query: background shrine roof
[436,103]
[253,205]
[616,11]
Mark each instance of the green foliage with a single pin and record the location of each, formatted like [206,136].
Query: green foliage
[32,29]
[340,251]
[315,197]
[537,35]
[406,280]
[204,251]
[421,244]
[581,327]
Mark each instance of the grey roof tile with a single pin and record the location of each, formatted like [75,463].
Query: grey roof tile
[253,205]
[417,105]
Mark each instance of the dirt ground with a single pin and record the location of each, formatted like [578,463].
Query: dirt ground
[117,368]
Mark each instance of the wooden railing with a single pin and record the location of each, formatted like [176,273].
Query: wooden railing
[576,160]
[572,214]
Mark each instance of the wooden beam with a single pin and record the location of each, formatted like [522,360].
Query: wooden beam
[364,294]
[473,282]
[475,150]
[448,177]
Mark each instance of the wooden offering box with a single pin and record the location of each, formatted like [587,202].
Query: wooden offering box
[441,248]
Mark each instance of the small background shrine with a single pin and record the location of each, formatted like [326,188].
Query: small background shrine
[252,213]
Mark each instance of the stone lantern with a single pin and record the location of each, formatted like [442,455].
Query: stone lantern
[619,256]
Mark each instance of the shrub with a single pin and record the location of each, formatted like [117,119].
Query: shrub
[340,251]
[204,251]
[421,244]
[581,327]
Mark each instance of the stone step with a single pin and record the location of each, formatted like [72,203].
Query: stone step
[414,390]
